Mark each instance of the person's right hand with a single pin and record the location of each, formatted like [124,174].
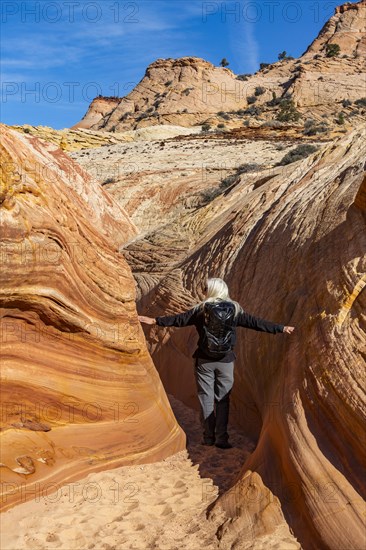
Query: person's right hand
[147,320]
[289,330]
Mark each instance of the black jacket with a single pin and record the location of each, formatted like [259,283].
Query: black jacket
[194,317]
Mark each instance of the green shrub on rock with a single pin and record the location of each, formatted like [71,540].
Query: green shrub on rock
[288,111]
[332,50]
[300,152]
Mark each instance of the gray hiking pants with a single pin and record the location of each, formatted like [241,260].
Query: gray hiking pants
[214,382]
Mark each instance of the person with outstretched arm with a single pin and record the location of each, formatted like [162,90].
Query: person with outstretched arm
[216,318]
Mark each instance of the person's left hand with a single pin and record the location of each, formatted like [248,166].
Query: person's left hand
[289,330]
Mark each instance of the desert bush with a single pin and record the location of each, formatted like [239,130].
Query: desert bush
[109,180]
[253,111]
[243,76]
[229,180]
[284,57]
[221,125]
[242,169]
[206,127]
[208,195]
[248,167]
[142,116]
[274,101]
[264,65]
[332,50]
[288,111]
[346,103]
[300,152]
[251,99]
[168,83]
[311,127]
[125,115]
[340,119]
[361,102]
[259,90]
[224,62]
[187,91]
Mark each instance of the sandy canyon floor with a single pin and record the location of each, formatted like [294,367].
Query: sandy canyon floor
[158,506]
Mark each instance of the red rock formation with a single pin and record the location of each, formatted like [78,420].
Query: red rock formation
[79,390]
[98,108]
[292,249]
[175,91]
[254,517]
[347,28]
[190,91]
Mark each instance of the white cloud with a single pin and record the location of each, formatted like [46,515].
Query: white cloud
[251,47]
[244,44]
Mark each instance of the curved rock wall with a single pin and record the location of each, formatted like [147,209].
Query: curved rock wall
[79,390]
[292,249]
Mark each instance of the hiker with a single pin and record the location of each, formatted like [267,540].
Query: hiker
[215,318]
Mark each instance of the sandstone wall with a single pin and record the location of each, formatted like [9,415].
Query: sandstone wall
[79,390]
[292,250]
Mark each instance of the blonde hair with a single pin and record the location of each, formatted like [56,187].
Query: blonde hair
[216,289]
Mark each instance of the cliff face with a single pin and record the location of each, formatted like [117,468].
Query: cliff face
[190,91]
[79,390]
[174,91]
[291,246]
[346,28]
[99,108]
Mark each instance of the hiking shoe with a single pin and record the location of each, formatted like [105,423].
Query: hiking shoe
[226,445]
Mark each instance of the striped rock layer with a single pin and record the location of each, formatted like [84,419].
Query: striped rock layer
[79,390]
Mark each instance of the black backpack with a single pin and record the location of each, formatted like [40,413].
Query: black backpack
[218,328]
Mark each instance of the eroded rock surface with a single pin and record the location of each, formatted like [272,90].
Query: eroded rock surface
[292,249]
[82,138]
[190,91]
[79,390]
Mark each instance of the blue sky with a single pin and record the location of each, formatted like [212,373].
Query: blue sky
[58,55]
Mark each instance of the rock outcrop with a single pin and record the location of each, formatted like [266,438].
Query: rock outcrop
[291,246]
[79,390]
[99,108]
[190,91]
[77,140]
[255,518]
[346,28]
